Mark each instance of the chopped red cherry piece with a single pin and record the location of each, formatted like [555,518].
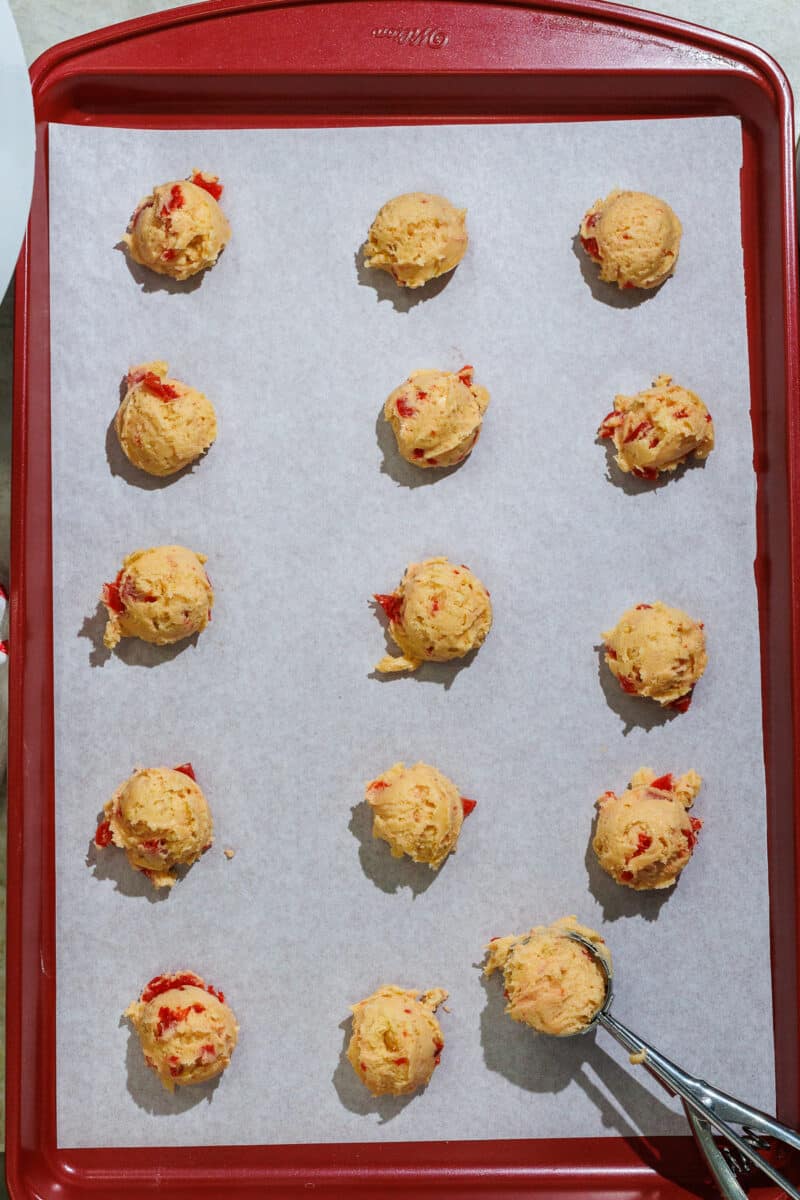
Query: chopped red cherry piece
[640,606]
[627,876]
[157,387]
[644,843]
[421,395]
[169,254]
[468,805]
[186,769]
[175,200]
[377,785]
[645,473]
[638,431]
[679,416]
[709,417]
[404,408]
[419,453]
[165,983]
[591,247]
[435,606]
[102,835]
[682,703]
[691,835]
[167,1017]
[153,846]
[610,653]
[111,596]
[212,186]
[391,605]
[466,375]
[627,685]
[610,422]
[433,462]
[592,220]
[400,1062]
[654,442]
[663,783]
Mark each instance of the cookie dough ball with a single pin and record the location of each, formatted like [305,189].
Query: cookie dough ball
[418,812]
[437,613]
[436,416]
[179,229]
[188,1032]
[161,595]
[634,237]
[160,818]
[657,652]
[397,1041]
[551,982]
[417,237]
[658,428]
[645,837]
[162,424]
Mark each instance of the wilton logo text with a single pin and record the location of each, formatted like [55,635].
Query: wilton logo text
[433,38]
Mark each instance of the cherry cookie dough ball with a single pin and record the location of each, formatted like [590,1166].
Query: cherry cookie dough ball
[645,837]
[187,1031]
[161,595]
[634,237]
[436,416]
[438,612]
[552,983]
[160,818]
[658,428]
[397,1040]
[179,229]
[418,812]
[657,652]
[417,237]
[162,424]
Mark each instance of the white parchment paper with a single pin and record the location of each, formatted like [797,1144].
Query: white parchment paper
[304,511]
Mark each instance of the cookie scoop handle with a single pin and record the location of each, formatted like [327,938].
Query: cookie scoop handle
[714,1110]
[709,1110]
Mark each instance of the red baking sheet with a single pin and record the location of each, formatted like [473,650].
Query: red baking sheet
[228,64]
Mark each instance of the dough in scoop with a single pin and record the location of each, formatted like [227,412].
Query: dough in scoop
[551,982]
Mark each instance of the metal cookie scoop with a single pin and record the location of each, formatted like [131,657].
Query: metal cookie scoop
[707,1109]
